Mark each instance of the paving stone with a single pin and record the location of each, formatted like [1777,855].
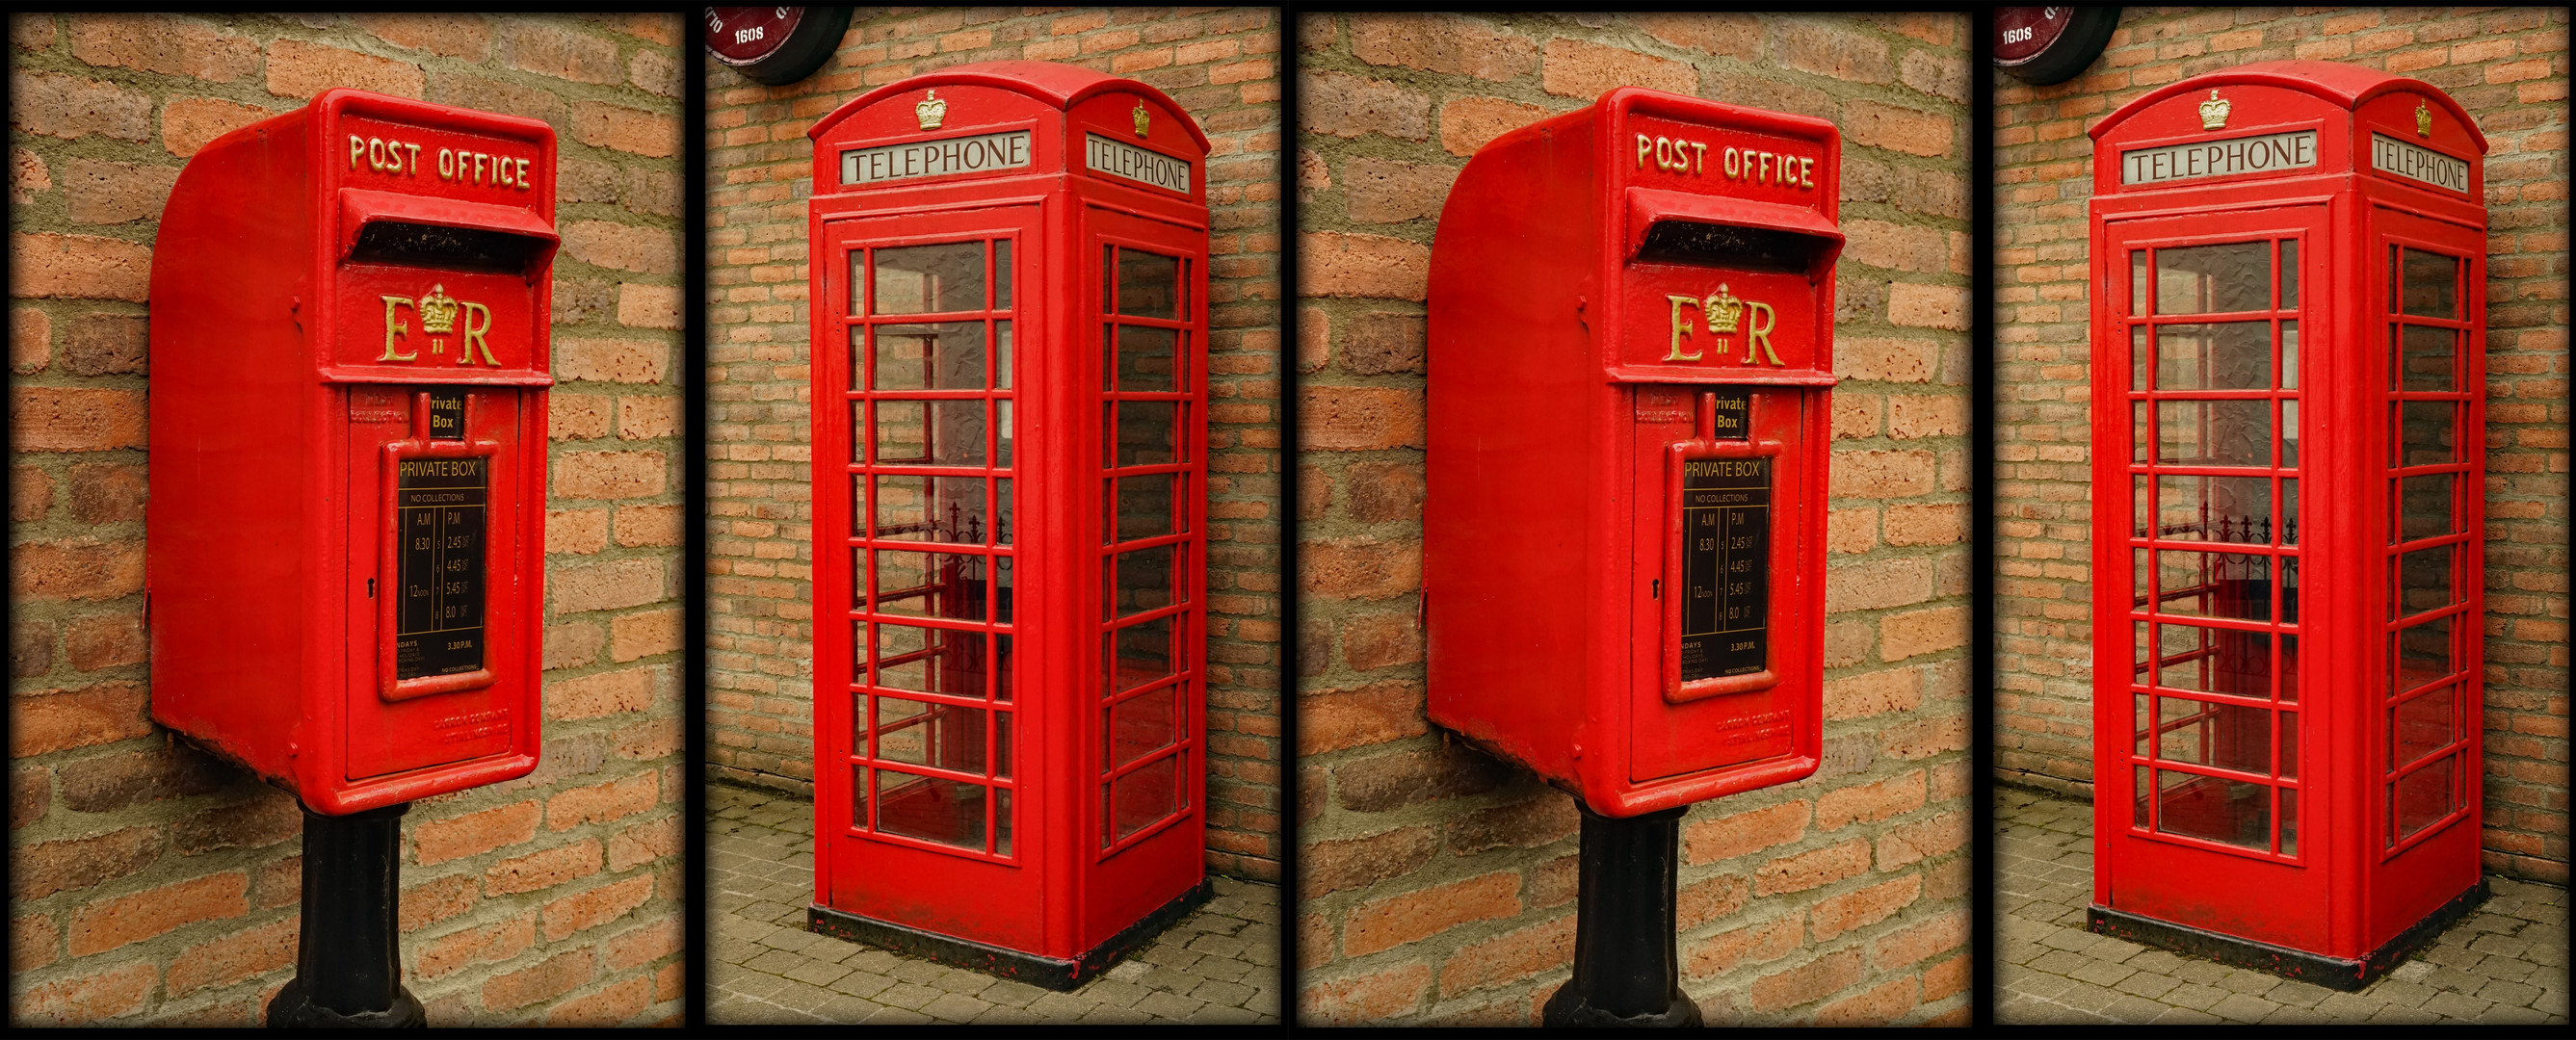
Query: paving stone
[2243,1007]
[1217,991]
[956,1007]
[818,973]
[2298,994]
[1165,1004]
[862,984]
[2101,974]
[2457,1005]
[2148,984]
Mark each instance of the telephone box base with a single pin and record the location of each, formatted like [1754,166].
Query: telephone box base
[1049,972]
[2330,972]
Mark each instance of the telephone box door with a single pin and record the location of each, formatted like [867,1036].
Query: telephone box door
[2219,343]
[926,823]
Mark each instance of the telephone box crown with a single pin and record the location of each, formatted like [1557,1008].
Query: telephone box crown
[2213,112]
[930,110]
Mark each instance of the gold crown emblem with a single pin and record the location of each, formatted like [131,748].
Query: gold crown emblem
[931,111]
[437,311]
[2213,112]
[2423,120]
[1723,311]
[1144,119]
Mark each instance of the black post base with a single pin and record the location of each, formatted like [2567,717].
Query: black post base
[1627,968]
[348,972]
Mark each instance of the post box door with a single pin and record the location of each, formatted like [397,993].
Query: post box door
[914,575]
[2209,365]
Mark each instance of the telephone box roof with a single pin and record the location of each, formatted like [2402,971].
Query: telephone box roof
[2345,85]
[1056,83]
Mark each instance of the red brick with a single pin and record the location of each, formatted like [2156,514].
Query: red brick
[57,719]
[591,908]
[110,923]
[1335,720]
[297,69]
[1544,820]
[104,641]
[467,36]
[654,135]
[607,585]
[1751,944]
[270,817]
[438,841]
[551,50]
[1732,35]
[1878,1005]
[78,267]
[1914,842]
[611,360]
[1334,865]
[1816,979]
[87,998]
[166,44]
[1873,693]
[1344,105]
[1943,980]
[593,696]
[1923,632]
[648,306]
[1915,942]
[31,496]
[31,331]
[430,902]
[1576,69]
[644,843]
[189,124]
[40,870]
[1355,418]
[1368,998]
[622,246]
[543,869]
[644,634]
[1814,868]
[1387,923]
[1509,957]
[1379,191]
[32,942]
[1870,803]
[600,803]
[1709,899]
[1710,840]
[1861,908]
[1468,123]
[1339,264]
[1360,568]
[71,107]
[1444,44]
[544,980]
[612,1006]
[235,957]
[651,941]
[108,344]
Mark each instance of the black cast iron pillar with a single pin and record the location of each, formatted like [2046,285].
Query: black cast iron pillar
[348,973]
[1626,969]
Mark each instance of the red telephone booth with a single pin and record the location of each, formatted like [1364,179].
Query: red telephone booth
[1009,334]
[2286,697]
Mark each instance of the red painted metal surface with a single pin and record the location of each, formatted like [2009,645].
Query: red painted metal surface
[2288,265]
[1009,343]
[319,276]
[1602,282]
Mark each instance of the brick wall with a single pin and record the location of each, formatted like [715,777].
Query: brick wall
[1223,67]
[1437,884]
[154,885]
[2509,69]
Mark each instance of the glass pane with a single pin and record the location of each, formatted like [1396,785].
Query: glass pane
[2138,791]
[942,736]
[2424,653]
[2141,358]
[949,812]
[2214,509]
[940,585]
[2289,590]
[1144,506]
[2224,585]
[2289,756]
[859,797]
[945,356]
[1144,796]
[2228,736]
[1140,581]
[1140,653]
[1002,567]
[2235,355]
[2206,807]
[1002,354]
[930,279]
[1002,278]
[1002,664]
[2138,282]
[1003,435]
[2210,279]
[932,433]
[2289,355]
[858,294]
[2424,434]
[2138,725]
[1149,285]
[2424,796]
[2289,274]
[2289,510]
[1001,511]
[2424,507]
[2142,507]
[2138,651]
[2289,668]
[2289,822]
[2214,433]
[859,432]
[2426,359]
[2142,430]
[914,508]
[1141,724]
[1147,360]
[1002,821]
[2215,660]
[930,660]
[2423,581]
[2141,579]
[1148,433]
[1002,743]
[2431,285]
[2290,433]
[2421,726]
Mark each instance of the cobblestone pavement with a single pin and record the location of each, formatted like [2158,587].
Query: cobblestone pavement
[1218,966]
[2504,963]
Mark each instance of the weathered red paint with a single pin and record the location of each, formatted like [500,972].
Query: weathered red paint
[1583,271]
[1012,810]
[2287,821]
[287,389]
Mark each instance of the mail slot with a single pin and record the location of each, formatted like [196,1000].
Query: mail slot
[1631,340]
[348,448]
[1009,390]
[2287,698]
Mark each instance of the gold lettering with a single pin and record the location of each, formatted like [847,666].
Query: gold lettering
[415,158]
[1681,327]
[1758,335]
[474,336]
[480,162]
[1645,145]
[1806,173]
[357,150]
[394,328]
[1699,157]
[1734,164]
[523,175]
[446,164]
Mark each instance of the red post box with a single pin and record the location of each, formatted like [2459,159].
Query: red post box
[2283,780]
[1009,341]
[1631,336]
[348,436]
